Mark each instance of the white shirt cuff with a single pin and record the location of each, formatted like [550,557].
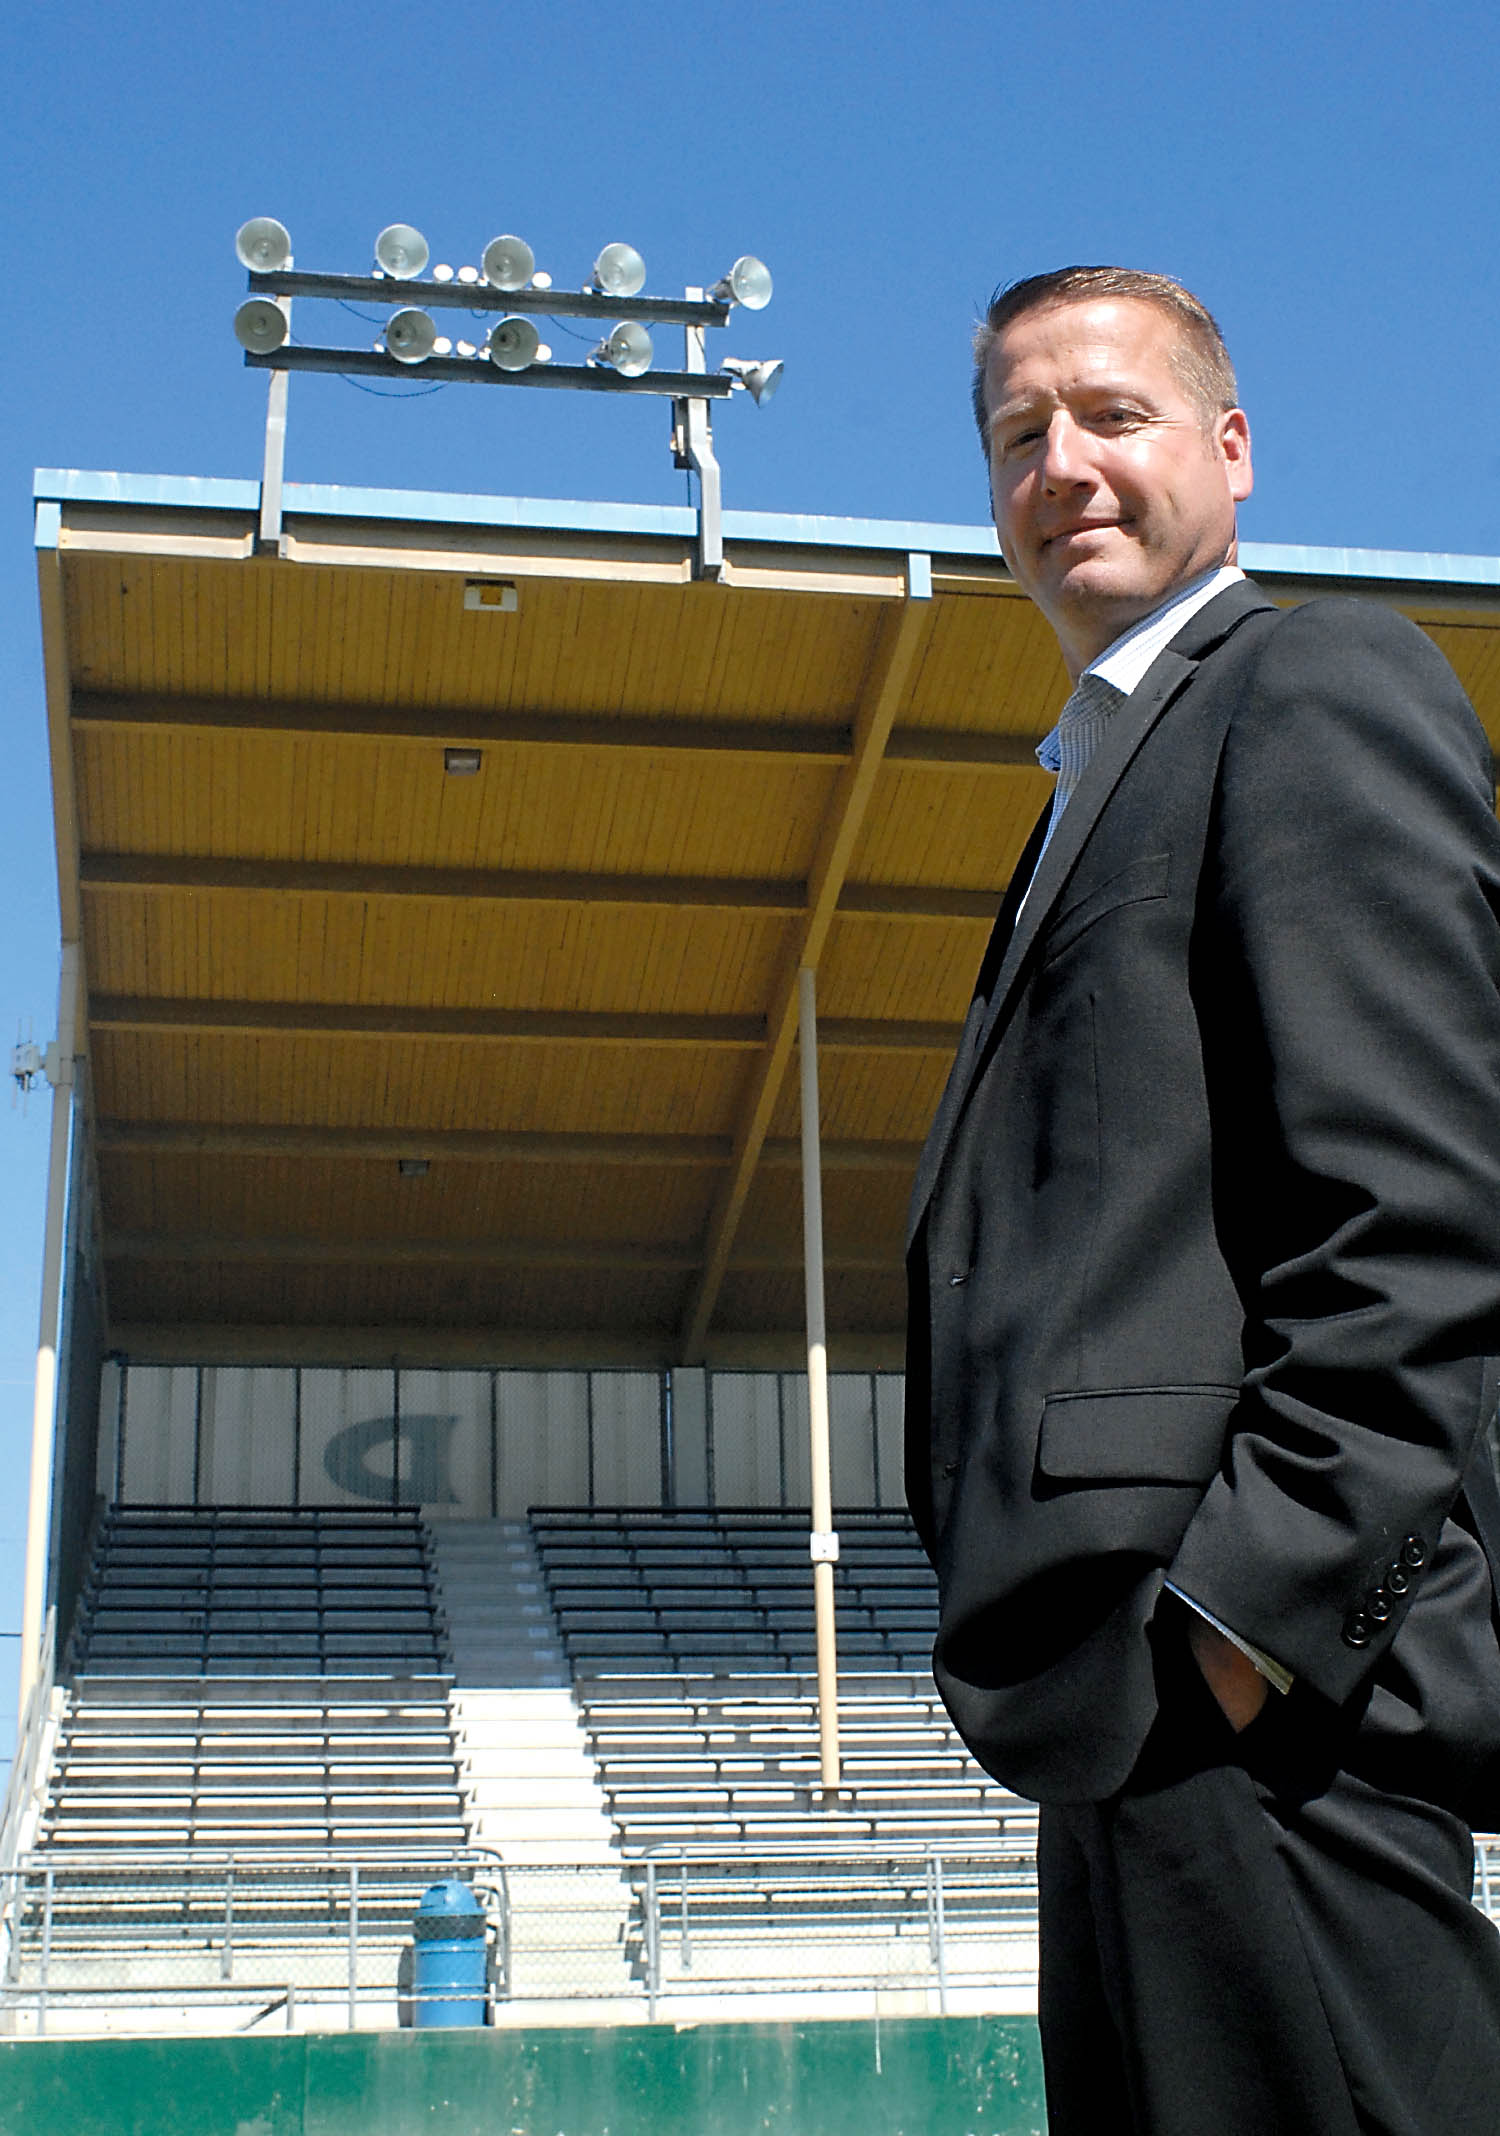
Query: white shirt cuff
[1276,1676]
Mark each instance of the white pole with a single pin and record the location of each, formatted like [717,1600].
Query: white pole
[39,1509]
[824,1542]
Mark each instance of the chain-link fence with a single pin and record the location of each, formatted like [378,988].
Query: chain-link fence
[96,1943]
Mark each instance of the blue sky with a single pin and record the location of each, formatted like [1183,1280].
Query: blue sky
[1323,174]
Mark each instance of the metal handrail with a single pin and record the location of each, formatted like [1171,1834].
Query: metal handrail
[947,1921]
[30,1741]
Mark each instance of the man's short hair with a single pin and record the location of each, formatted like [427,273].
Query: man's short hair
[1199,356]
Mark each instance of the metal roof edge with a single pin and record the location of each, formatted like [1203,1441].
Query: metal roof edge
[1291,560]
[75,485]
[804,529]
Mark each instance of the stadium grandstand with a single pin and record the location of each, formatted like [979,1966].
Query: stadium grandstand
[425,1495]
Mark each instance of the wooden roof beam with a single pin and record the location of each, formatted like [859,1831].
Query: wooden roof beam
[299,1019]
[901,636]
[812,741]
[190,1138]
[816,741]
[607,1257]
[103,872]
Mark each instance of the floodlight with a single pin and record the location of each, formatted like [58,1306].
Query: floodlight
[759,379]
[748,282]
[508,263]
[513,344]
[628,350]
[260,326]
[619,271]
[409,335]
[400,251]
[262,245]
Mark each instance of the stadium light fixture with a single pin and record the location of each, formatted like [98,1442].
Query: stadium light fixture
[260,326]
[410,335]
[263,245]
[507,263]
[401,252]
[512,353]
[760,380]
[619,271]
[627,350]
[748,282]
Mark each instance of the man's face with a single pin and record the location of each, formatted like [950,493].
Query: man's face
[1110,486]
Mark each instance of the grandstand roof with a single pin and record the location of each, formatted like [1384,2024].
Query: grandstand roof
[567,981]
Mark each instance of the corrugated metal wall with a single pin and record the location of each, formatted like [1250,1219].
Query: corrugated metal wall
[470,1444]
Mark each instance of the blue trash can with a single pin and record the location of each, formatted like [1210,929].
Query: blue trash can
[449,1957]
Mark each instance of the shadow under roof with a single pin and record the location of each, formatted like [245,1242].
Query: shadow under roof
[566,982]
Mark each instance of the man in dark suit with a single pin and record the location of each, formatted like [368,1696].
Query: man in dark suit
[1205,1281]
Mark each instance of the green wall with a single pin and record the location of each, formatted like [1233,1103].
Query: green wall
[902,2077]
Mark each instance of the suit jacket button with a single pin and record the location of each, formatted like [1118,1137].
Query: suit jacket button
[1414,1553]
[958,1276]
[1357,1629]
[950,1468]
[1378,1604]
[1397,1579]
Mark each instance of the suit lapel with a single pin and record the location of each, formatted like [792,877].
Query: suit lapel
[974,1022]
[1007,961]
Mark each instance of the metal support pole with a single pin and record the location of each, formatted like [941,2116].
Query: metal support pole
[226,1955]
[693,443]
[275,455]
[46,1966]
[653,1943]
[938,1935]
[44,1398]
[684,1938]
[824,1545]
[353,1945]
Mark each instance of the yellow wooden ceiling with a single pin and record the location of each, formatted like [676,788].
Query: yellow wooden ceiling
[566,982]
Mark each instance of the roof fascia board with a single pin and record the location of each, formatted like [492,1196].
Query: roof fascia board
[804,529]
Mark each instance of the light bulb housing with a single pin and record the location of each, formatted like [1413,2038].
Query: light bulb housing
[627,349]
[401,252]
[507,263]
[263,245]
[410,335]
[260,326]
[514,344]
[619,271]
[747,283]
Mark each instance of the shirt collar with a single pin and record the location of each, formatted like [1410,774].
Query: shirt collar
[1125,662]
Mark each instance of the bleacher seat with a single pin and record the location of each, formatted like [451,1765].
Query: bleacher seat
[691,1638]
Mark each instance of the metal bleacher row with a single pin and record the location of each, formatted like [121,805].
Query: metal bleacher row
[265,1678]
[255,1699]
[690,1639]
[260,1713]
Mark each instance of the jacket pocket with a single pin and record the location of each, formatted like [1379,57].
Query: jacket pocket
[1131,886]
[1135,1435]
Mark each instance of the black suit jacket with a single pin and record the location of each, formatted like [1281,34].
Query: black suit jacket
[1205,1247]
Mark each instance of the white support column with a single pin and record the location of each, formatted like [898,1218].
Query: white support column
[824,1542]
[274,464]
[44,1400]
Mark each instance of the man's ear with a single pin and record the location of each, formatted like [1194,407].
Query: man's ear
[1233,433]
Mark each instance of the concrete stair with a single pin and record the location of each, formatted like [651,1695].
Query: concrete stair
[530,1785]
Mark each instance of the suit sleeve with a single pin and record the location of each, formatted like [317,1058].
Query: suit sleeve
[1347,971]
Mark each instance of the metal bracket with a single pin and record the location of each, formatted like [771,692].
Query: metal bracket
[693,446]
